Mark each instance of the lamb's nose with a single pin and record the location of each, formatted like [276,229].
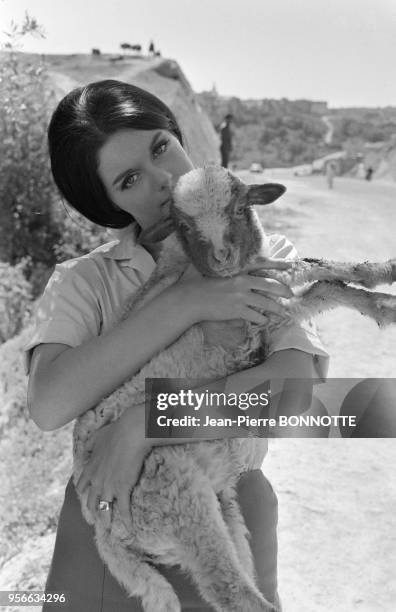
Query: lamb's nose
[220,255]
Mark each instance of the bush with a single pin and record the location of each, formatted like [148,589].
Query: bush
[26,188]
[32,227]
[15,299]
[79,235]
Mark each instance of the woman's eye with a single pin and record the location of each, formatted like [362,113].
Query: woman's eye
[129,181]
[161,147]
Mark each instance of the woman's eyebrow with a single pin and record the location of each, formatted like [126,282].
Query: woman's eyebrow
[156,137]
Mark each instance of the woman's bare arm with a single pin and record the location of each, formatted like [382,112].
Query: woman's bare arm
[65,382]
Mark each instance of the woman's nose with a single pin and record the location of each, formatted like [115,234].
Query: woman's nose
[164,179]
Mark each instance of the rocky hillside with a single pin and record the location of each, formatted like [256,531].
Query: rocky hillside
[162,77]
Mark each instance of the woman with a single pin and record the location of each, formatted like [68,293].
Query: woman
[115,152]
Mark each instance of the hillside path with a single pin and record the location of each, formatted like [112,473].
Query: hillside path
[330,130]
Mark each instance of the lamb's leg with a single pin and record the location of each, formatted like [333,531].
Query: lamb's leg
[366,274]
[140,579]
[323,296]
[237,529]
[208,553]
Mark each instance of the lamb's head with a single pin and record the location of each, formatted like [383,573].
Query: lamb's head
[212,213]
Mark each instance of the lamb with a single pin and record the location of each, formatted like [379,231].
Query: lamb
[184,508]
[185,499]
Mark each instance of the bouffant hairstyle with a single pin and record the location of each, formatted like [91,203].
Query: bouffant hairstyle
[80,126]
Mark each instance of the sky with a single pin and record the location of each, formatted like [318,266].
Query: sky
[340,51]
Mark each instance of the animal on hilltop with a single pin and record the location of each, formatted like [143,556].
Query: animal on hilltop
[184,508]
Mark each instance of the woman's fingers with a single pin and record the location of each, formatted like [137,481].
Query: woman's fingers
[85,479]
[263,263]
[253,316]
[105,510]
[269,285]
[124,507]
[93,500]
[264,303]
[81,484]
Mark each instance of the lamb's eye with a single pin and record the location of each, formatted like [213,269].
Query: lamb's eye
[239,211]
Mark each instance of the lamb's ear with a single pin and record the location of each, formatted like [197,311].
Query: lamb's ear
[264,194]
[157,232]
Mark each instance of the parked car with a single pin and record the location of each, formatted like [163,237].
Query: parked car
[304,170]
[256,167]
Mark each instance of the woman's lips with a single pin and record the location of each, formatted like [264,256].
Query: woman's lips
[165,208]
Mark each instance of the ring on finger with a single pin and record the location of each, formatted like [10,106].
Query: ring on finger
[104,505]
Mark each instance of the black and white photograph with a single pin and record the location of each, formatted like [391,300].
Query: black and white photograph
[198,306]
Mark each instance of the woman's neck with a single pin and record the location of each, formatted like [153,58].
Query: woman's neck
[154,248]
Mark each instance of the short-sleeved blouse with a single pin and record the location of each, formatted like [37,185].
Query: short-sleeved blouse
[84,295]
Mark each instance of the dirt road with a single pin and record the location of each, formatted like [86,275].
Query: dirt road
[337,497]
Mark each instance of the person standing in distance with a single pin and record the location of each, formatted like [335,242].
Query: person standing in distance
[226,140]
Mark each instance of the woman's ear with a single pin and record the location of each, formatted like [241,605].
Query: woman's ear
[157,232]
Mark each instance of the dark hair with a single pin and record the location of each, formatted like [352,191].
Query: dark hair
[80,126]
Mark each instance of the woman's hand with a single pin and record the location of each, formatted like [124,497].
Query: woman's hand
[115,464]
[234,298]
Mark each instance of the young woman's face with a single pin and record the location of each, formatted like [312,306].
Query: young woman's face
[139,168]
